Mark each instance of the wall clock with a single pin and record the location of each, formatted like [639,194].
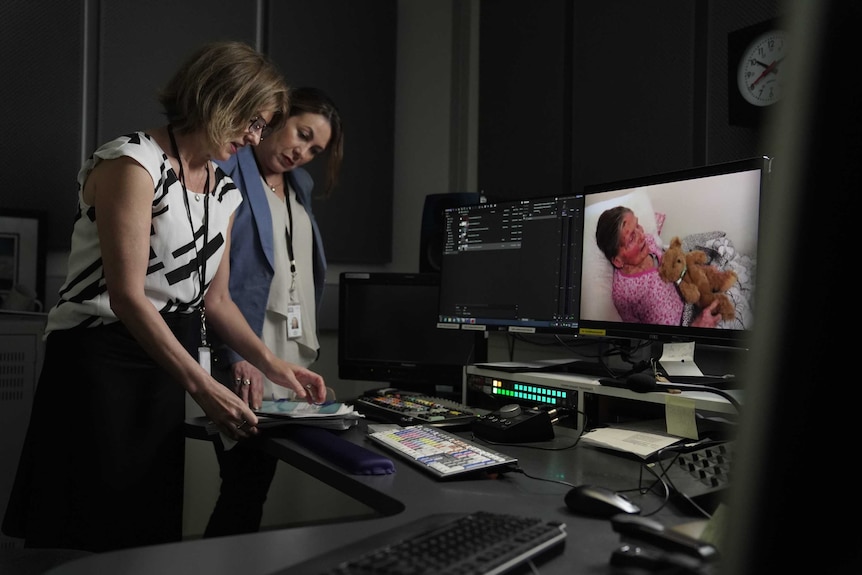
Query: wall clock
[755,58]
[758,75]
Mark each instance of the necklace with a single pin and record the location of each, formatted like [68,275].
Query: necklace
[271,187]
[206,184]
[264,177]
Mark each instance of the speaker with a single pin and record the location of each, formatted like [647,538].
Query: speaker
[431,240]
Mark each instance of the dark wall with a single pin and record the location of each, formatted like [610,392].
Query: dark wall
[525,106]
[79,73]
[356,41]
[570,93]
[648,91]
[41,55]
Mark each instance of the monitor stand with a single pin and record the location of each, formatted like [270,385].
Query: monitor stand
[532,365]
[563,365]
[677,359]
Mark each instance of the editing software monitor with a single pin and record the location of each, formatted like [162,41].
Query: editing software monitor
[387,332]
[534,265]
[513,265]
[714,210]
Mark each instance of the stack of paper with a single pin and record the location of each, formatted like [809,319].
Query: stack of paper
[330,415]
[643,439]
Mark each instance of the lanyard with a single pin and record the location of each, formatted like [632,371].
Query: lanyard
[201,262]
[287,233]
[289,236]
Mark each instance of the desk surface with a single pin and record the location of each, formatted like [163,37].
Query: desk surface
[402,497]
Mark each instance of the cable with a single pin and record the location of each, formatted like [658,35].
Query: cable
[707,389]
[659,480]
[646,382]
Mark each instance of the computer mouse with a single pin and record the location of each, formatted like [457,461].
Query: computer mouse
[598,501]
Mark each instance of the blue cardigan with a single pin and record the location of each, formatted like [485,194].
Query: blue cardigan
[251,249]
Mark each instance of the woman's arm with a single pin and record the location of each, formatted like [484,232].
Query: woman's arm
[121,190]
[225,317]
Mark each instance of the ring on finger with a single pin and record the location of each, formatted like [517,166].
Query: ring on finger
[246,381]
[242,424]
[238,380]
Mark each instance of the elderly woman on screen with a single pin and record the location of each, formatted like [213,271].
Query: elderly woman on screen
[638,293]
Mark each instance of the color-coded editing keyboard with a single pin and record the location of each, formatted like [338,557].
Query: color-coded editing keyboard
[440,453]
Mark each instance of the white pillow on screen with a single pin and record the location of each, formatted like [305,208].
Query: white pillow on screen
[596,301]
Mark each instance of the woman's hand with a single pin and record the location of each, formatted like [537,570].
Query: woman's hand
[708,317]
[307,384]
[229,413]
[248,383]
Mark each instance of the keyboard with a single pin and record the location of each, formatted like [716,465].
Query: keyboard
[408,408]
[701,477]
[478,543]
[440,453]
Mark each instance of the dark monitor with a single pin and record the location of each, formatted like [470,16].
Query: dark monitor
[512,265]
[713,209]
[387,332]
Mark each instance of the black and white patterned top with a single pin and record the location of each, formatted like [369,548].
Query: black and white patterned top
[173,274]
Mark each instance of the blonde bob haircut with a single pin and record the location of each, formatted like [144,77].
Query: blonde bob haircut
[221,88]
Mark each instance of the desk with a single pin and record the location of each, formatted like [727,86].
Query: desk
[400,498]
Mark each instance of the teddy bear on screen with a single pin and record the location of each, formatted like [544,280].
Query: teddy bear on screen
[698,282]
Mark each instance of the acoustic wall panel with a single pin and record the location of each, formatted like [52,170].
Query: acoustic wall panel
[41,44]
[347,48]
[141,44]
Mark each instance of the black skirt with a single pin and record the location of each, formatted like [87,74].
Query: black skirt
[103,460]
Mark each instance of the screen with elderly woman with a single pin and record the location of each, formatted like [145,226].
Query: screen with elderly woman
[672,257]
[666,257]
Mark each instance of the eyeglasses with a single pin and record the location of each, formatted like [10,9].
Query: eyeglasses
[257,125]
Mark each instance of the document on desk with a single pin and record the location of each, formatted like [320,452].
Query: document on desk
[305,410]
[337,416]
[332,415]
[643,439]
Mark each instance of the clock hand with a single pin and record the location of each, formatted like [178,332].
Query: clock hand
[769,69]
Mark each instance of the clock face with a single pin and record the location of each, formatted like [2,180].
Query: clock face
[759,73]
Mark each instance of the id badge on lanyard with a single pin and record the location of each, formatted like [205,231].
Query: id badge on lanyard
[204,352]
[294,320]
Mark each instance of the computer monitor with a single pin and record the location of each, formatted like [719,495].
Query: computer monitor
[513,265]
[387,332]
[712,209]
